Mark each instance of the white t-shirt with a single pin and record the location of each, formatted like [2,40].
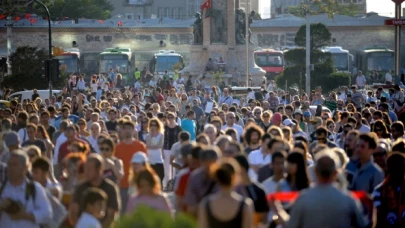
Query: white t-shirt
[87,220]
[388,77]
[361,80]
[93,87]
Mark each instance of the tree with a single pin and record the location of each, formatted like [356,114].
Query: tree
[27,70]
[329,7]
[320,36]
[94,9]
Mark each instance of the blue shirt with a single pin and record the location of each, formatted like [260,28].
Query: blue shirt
[190,127]
[72,118]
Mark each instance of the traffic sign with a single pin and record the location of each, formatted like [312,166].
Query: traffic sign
[395,22]
[398,1]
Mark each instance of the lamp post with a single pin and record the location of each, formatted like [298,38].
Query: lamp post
[247,40]
[9,36]
[49,44]
[307,51]
[397,37]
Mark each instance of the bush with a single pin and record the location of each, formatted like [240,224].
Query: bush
[336,80]
[146,217]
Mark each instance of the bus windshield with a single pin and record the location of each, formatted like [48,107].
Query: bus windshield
[269,59]
[166,63]
[380,61]
[71,65]
[120,65]
[341,61]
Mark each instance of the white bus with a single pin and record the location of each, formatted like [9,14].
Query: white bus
[342,59]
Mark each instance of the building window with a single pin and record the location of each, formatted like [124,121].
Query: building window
[181,13]
[175,13]
[167,12]
[160,12]
[129,16]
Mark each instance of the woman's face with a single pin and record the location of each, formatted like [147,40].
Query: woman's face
[291,168]
[144,187]
[136,167]
[183,97]
[29,108]
[331,127]
[106,150]
[153,126]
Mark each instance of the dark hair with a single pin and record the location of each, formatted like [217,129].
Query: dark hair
[243,162]
[225,173]
[384,106]
[41,163]
[321,130]
[301,180]
[108,141]
[378,113]
[250,130]
[90,196]
[43,131]
[274,141]
[23,116]
[398,126]
[278,154]
[184,136]
[352,120]
[371,138]
[6,123]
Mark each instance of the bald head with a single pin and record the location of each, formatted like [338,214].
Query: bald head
[327,163]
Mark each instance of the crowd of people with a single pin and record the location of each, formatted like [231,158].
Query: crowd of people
[266,159]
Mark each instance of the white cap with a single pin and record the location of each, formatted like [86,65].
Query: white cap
[288,122]
[139,158]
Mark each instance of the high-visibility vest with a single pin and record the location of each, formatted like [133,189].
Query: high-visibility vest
[137,75]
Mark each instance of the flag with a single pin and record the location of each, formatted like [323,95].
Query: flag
[119,23]
[33,20]
[206,5]
[27,16]
[101,21]
[17,18]
[3,16]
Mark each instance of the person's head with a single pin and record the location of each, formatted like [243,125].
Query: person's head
[127,129]
[95,129]
[94,201]
[44,118]
[233,133]
[397,130]
[380,129]
[93,168]
[209,156]
[278,160]
[252,135]
[211,132]
[139,161]
[33,152]
[365,146]
[297,167]
[350,142]
[40,168]
[226,172]
[12,140]
[287,133]
[326,165]
[396,166]
[191,115]
[321,135]
[380,154]
[275,131]
[107,147]
[17,166]
[31,131]
[147,182]
[70,133]
[22,118]
[230,118]
[155,125]
[223,141]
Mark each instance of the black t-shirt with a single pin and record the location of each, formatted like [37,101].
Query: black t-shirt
[111,189]
[39,143]
[51,130]
[111,125]
[258,196]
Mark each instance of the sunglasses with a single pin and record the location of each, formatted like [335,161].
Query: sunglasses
[321,139]
[104,149]
[170,117]
[266,116]
[153,125]
[80,123]
[378,129]
[258,113]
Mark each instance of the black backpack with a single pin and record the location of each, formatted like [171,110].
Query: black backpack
[30,190]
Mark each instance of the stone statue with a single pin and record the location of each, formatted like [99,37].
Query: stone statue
[240,26]
[250,21]
[198,29]
[218,26]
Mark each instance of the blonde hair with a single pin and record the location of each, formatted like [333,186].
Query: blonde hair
[159,125]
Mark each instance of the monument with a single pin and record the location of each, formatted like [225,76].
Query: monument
[219,35]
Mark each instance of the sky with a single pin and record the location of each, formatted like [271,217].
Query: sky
[383,7]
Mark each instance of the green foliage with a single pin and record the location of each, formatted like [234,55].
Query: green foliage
[335,80]
[26,67]
[329,7]
[146,217]
[91,9]
[320,36]
[27,70]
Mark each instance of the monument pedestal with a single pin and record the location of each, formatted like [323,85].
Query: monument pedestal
[234,55]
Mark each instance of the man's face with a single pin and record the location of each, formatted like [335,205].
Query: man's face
[7,114]
[113,116]
[127,131]
[39,175]
[44,119]
[395,134]
[266,105]
[321,138]
[288,112]
[65,114]
[340,104]
[90,171]
[31,132]
[15,169]
[230,119]
[276,147]
[254,138]
[278,165]
[70,135]
[362,150]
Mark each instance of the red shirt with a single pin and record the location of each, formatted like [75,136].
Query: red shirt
[160,98]
[64,151]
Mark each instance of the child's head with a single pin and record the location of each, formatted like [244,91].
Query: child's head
[94,202]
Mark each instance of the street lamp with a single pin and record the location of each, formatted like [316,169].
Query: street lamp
[50,42]
[247,40]
[307,50]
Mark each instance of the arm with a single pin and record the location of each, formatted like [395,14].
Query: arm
[43,210]
[202,219]
[118,169]
[248,210]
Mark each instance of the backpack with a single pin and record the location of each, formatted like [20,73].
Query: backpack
[30,190]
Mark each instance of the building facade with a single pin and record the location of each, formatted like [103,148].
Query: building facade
[279,7]
[145,9]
